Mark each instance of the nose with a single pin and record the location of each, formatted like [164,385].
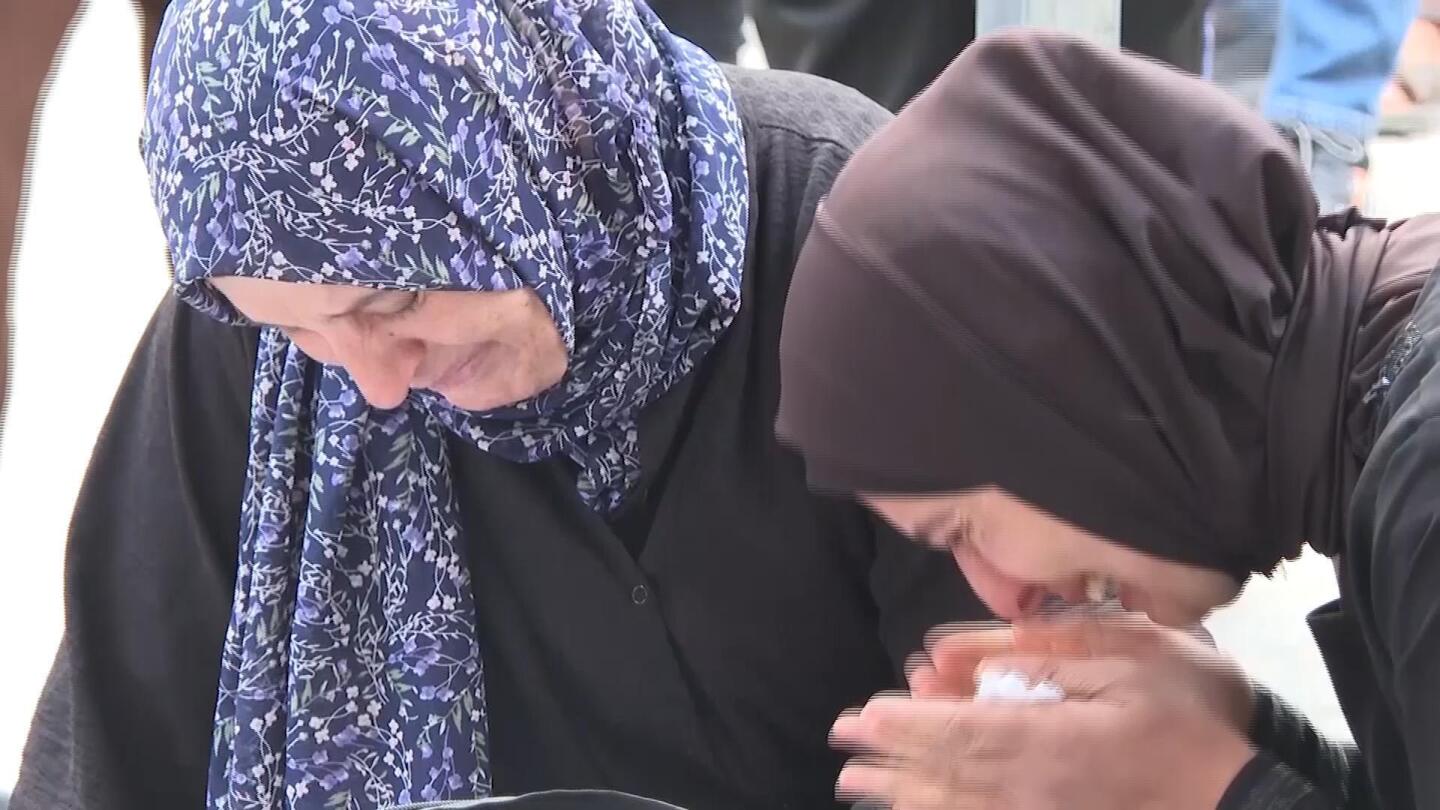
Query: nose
[381,365]
[1009,599]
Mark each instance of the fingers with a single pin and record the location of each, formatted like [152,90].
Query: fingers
[926,682]
[951,679]
[925,753]
[989,635]
[899,727]
[947,666]
[1079,678]
[894,727]
[1120,634]
[900,788]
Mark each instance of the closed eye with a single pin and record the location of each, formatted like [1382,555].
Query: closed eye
[944,530]
[960,535]
[413,302]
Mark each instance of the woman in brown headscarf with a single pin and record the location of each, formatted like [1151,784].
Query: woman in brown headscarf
[1071,316]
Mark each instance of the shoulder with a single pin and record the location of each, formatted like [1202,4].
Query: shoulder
[196,365]
[786,106]
[800,131]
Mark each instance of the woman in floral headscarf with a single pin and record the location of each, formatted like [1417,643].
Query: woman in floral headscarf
[513,516]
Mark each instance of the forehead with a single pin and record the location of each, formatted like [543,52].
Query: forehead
[919,514]
[913,512]
[264,291]
[268,300]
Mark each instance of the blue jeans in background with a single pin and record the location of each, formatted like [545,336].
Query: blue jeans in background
[1315,69]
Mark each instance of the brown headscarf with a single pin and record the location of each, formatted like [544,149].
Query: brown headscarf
[1100,285]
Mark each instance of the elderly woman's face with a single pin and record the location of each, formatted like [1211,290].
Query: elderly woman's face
[1014,555]
[479,350]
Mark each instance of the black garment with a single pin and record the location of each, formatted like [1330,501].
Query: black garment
[714,25]
[1381,638]
[705,673]
[891,49]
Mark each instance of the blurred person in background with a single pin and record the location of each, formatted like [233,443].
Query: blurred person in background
[1411,102]
[1316,69]
[31,35]
[450,468]
[31,32]
[891,49]
[1072,316]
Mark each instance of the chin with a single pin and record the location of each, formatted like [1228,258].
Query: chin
[481,399]
[1175,615]
[476,402]
[1162,611]
[1165,609]
[493,384]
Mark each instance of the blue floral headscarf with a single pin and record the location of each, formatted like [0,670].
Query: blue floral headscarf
[572,147]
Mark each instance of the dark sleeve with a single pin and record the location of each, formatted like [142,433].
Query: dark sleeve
[1393,585]
[1396,517]
[124,721]
[1265,783]
[1297,767]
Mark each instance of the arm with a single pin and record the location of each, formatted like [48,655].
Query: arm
[31,32]
[125,720]
[1394,594]
[1267,784]
[1395,568]
[1297,768]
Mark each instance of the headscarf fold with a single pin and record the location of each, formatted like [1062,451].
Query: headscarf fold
[573,147]
[1098,284]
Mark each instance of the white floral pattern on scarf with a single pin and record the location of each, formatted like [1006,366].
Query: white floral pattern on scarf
[573,147]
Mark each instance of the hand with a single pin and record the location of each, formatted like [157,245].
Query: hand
[1126,736]
[954,653]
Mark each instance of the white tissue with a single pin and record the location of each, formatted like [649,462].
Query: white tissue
[1000,685]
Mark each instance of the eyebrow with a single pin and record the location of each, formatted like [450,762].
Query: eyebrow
[931,525]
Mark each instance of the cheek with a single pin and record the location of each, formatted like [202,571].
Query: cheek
[1183,595]
[1008,597]
[1024,555]
[314,346]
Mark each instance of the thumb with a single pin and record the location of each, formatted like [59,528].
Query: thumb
[1121,634]
[1078,678]
[946,667]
